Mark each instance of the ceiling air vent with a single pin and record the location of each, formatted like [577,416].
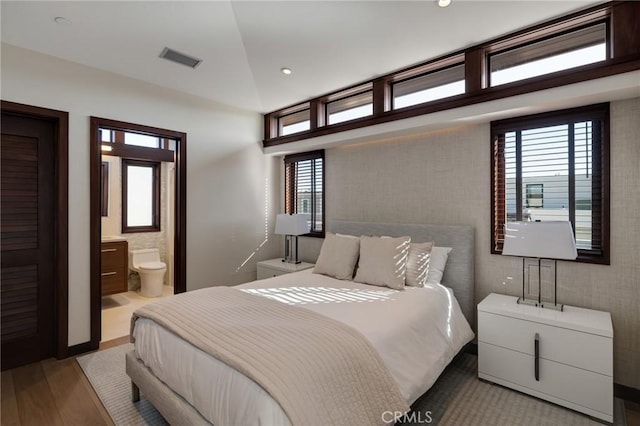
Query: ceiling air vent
[181,58]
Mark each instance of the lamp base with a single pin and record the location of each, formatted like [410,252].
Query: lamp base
[531,302]
[554,306]
[295,262]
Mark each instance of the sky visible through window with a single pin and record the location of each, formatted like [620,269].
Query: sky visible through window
[427,95]
[563,61]
[296,127]
[350,114]
[139,196]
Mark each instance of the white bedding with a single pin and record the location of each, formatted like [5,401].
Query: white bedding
[416,331]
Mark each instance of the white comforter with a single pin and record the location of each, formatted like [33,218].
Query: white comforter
[417,331]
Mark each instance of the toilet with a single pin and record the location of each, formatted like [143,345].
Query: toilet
[146,262]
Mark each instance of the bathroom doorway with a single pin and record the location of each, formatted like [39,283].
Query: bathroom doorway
[138,221]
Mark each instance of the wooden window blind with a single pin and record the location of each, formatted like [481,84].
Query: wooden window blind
[295,122]
[554,166]
[304,188]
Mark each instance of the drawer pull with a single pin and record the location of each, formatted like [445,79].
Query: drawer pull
[537,357]
[106,274]
[108,250]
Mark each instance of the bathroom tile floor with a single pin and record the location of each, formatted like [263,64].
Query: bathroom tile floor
[117,310]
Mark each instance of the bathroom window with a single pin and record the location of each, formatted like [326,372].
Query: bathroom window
[140,196]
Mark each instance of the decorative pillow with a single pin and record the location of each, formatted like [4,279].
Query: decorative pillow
[338,256]
[418,264]
[383,261]
[439,256]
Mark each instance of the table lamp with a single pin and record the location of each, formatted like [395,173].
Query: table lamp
[548,240]
[292,225]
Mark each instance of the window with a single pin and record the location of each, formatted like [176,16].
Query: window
[294,123]
[141,140]
[554,166]
[140,196]
[304,188]
[429,87]
[585,45]
[350,108]
[535,193]
[569,50]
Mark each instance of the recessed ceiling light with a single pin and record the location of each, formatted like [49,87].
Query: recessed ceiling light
[61,20]
[286,71]
[444,3]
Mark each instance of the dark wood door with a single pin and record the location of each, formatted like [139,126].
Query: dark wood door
[27,214]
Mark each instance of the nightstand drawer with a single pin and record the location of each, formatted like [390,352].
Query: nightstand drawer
[571,387]
[276,267]
[583,350]
[264,273]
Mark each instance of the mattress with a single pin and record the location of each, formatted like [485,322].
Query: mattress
[416,331]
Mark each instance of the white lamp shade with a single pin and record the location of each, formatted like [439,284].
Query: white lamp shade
[548,240]
[292,224]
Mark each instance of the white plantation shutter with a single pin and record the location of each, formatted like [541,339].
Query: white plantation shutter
[304,187]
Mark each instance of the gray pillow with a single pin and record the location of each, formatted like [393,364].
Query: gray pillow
[383,261]
[418,264]
[338,256]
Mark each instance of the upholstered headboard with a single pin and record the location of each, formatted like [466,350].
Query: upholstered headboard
[459,273]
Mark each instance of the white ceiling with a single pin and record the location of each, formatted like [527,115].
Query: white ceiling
[244,44]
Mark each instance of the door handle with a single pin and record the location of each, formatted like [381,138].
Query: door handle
[108,250]
[106,274]
[536,366]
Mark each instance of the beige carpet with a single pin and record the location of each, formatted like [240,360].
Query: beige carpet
[457,398]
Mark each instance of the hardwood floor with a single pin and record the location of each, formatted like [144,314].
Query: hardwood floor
[52,392]
[56,392]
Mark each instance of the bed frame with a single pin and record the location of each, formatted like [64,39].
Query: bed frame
[458,275]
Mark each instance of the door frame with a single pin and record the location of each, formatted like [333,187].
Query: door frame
[180,212]
[60,120]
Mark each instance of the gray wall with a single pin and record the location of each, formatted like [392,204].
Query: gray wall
[444,178]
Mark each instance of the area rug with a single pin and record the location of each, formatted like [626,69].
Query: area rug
[106,373]
[457,398]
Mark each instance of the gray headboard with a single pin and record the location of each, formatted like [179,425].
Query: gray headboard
[459,273]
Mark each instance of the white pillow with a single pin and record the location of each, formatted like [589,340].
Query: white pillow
[418,264]
[439,256]
[383,261]
[338,256]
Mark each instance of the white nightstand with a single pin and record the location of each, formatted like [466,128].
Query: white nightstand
[563,357]
[274,267]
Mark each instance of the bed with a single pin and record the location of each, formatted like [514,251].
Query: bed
[163,365]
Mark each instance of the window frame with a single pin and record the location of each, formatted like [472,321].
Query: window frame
[495,52]
[623,55]
[346,96]
[295,110]
[155,166]
[530,194]
[290,188]
[600,169]
[431,70]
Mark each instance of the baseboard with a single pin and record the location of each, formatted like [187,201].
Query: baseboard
[626,392]
[80,349]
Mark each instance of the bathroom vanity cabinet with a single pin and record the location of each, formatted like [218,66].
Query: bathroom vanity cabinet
[115,267]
